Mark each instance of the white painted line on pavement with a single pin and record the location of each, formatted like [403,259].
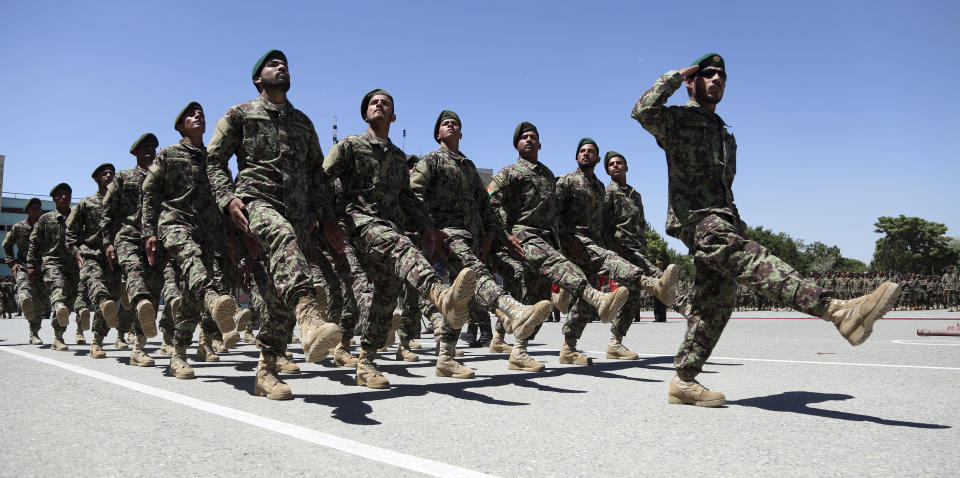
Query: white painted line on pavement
[925,367]
[942,343]
[390,457]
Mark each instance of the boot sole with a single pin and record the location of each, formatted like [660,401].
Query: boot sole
[621,357]
[364,383]
[455,375]
[231,339]
[272,396]
[567,361]
[147,316]
[463,289]
[887,300]
[182,376]
[85,319]
[63,316]
[26,307]
[512,366]
[223,311]
[702,403]
[619,299]
[142,364]
[538,315]
[341,363]
[328,336]
[501,351]
[670,278]
[243,317]
[109,310]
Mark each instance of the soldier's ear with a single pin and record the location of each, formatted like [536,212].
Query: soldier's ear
[393,118]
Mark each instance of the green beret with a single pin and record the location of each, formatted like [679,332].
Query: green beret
[101,168]
[444,115]
[59,187]
[584,141]
[412,160]
[523,128]
[710,59]
[369,96]
[270,55]
[193,105]
[610,155]
[31,202]
[141,139]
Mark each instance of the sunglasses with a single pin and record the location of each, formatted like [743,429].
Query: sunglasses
[709,72]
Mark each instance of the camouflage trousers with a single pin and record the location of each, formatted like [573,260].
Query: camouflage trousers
[597,262]
[62,277]
[144,281]
[193,257]
[390,259]
[36,292]
[723,257]
[99,283]
[282,245]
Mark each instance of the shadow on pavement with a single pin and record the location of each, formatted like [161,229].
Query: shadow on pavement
[799,402]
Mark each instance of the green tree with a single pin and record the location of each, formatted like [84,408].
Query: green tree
[912,245]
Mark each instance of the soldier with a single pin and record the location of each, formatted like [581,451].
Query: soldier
[455,200]
[379,200]
[60,272]
[30,293]
[85,244]
[524,196]
[178,208]
[701,164]
[949,288]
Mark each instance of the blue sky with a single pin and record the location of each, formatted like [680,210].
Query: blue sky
[843,111]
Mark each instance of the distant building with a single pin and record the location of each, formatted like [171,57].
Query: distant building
[11,212]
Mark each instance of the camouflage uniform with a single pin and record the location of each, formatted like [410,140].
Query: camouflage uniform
[178,208]
[281,182]
[60,272]
[36,291]
[378,200]
[701,164]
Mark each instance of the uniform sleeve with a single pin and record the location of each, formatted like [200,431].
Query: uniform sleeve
[421,177]
[413,206]
[567,229]
[489,217]
[150,199]
[498,189]
[651,110]
[8,241]
[335,162]
[110,221]
[75,227]
[611,216]
[321,198]
[35,254]
[224,144]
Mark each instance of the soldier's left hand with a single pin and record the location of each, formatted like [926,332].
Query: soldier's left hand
[485,245]
[334,235]
[78,258]
[434,240]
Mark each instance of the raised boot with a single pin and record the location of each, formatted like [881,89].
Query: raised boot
[268,383]
[498,345]
[96,347]
[342,355]
[664,288]
[178,364]
[61,314]
[139,356]
[521,320]
[84,315]
[569,354]
[616,350]
[367,372]
[166,343]
[249,338]
[58,342]
[453,301]
[854,318]
[286,365]
[692,393]
[222,308]
[147,316]
[317,334]
[520,360]
[414,345]
[242,318]
[205,352]
[561,300]
[26,307]
[218,345]
[608,304]
[80,338]
[108,309]
[119,343]
[448,367]
[404,353]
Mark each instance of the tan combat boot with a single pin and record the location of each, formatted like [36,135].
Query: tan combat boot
[286,365]
[218,345]
[58,343]
[62,314]
[692,393]
[664,288]
[521,320]
[414,345]
[84,315]
[499,346]
[456,352]
[404,353]
[139,356]
[608,304]
[616,350]
[318,335]
[222,309]
[569,354]
[35,338]
[367,372]
[96,347]
[448,367]
[108,309]
[166,343]
[249,338]
[80,339]
[561,301]
[242,318]
[854,318]
[147,316]
[178,364]
[205,352]
[520,360]
[268,383]
[453,301]
[342,355]
[119,343]
[26,307]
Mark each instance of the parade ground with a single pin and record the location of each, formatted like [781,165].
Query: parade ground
[801,402]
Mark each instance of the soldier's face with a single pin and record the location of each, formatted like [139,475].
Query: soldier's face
[194,123]
[588,156]
[529,144]
[708,85]
[275,75]
[62,198]
[145,153]
[617,168]
[449,128]
[380,108]
[34,211]
[104,177]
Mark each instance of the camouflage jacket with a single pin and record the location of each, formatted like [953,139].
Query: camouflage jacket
[701,155]
[375,180]
[524,196]
[580,208]
[19,235]
[177,192]
[623,218]
[83,227]
[48,240]
[122,206]
[948,280]
[452,193]
[278,158]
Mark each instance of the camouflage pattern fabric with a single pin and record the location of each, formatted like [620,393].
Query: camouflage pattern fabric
[19,237]
[59,270]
